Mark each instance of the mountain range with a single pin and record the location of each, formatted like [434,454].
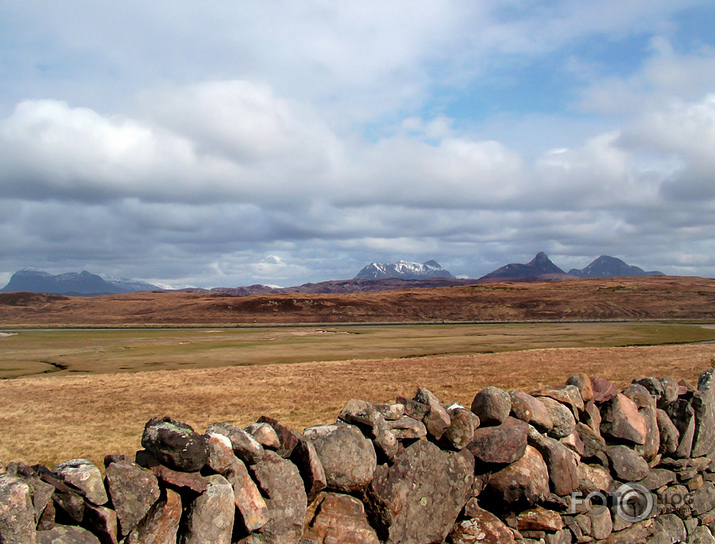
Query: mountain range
[372,278]
[72,283]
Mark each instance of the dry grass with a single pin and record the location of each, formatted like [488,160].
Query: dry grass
[49,419]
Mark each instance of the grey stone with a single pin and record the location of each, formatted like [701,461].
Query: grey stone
[407,428]
[583,383]
[702,500]
[66,534]
[560,462]
[287,437]
[310,467]
[84,475]
[681,414]
[175,444]
[670,392]
[701,535]
[245,447]
[133,491]
[626,464]
[102,522]
[17,515]
[284,493]
[348,458]
[562,418]
[161,524]
[525,480]
[669,434]
[437,419]
[504,443]
[492,405]
[461,429]
[209,517]
[265,435]
[670,529]
[703,403]
[418,498]
[530,410]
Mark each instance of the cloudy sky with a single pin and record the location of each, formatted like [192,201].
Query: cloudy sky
[232,142]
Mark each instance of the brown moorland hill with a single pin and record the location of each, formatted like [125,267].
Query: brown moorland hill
[638,298]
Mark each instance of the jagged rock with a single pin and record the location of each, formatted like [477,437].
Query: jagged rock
[336,518]
[653,386]
[593,478]
[702,500]
[621,420]
[670,392]
[102,522]
[646,404]
[461,429]
[525,480]
[636,533]
[669,435]
[504,443]
[418,498]
[657,478]
[245,447]
[539,519]
[390,411]
[310,467]
[592,442]
[175,444]
[480,526]
[706,379]
[414,409]
[703,403]
[41,492]
[574,443]
[221,458]
[560,462]
[681,414]
[265,435]
[583,383]
[66,534]
[562,418]
[252,507]
[17,515]
[701,535]
[188,480]
[282,488]
[288,437]
[209,517]
[133,491]
[437,419]
[161,524]
[603,390]
[492,405]
[626,464]
[530,410]
[364,415]
[348,458]
[569,396]
[407,428]
[85,476]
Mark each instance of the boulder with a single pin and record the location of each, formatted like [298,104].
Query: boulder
[682,415]
[569,396]
[252,508]
[390,411]
[287,437]
[492,405]
[626,464]
[561,416]
[593,478]
[41,492]
[161,524]
[284,494]
[483,527]
[133,491]
[407,428]
[175,444]
[437,419]
[504,443]
[209,517]
[461,429]
[669,435]
[310,467]
[245,447]
[265,435]
[348,458]
[102,522]
[418,498]
[17,515]
[373,424]
[583,383]
[646,404]
[603,390]
[336,518]
[539,519]
[186,480]
[526,480]
[84,475]
[703,403]
[221,458]
[560,462]
[621,420]
[592,442]
[530,410]
[66,534]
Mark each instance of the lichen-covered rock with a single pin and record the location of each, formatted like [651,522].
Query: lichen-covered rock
[626,464]
[310,467]
[133,491]
[703,403]
[84,475]
[492,405]
[348,458]
[187,480]
[245,447]
[437,419]
[504,443]
[337,518]
[562,417]
[66,534]
[621,420]
[593,478]
[530,410]
[668,432]
[209,517]
[175,444]
[161,524]
[288,437]
[373,424]
[461,428]
[17,515]
[539,519]
[481,527]
[561,463]
[583,383]
[418,498]
[526,480]
[407,428]
[284,494]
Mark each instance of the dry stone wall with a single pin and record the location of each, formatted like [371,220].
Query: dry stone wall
[580,463]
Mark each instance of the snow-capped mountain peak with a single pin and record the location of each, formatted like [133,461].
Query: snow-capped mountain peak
[406,270]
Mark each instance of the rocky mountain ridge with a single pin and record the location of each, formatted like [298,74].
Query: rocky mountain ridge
[610,267]
[405,270]
[72,283]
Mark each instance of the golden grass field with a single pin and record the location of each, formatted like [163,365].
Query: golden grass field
[102,408]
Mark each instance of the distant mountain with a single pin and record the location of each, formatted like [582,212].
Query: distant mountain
[403,270]
[610,267]
[539,268]
[72,283]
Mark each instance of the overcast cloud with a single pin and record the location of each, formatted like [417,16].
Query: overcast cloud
[228,143]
